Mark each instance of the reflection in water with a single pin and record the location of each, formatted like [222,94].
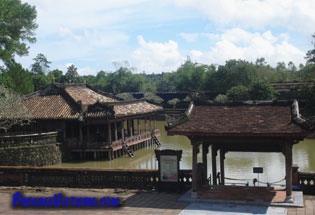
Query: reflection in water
[238,165]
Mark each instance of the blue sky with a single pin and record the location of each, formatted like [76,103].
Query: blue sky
[157,36]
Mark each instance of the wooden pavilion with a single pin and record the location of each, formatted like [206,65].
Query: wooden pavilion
[272,126]
[92,123]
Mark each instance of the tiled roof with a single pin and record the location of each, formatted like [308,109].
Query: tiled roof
[134,108]
[87,96]
[62,101]
[238,120]
[50,107]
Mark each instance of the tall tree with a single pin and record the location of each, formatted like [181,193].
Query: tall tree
[72,75]
[40,65]
[310,55]
[17,24]
[40,68]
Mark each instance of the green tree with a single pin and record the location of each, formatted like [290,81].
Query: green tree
[310,54]
[238,93]
[40,65]
[39,70]
[17,24]
[56,75]
[261,90]
[72,75]
[233,73]
[307,94]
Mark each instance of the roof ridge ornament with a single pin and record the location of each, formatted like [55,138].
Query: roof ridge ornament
[297,117]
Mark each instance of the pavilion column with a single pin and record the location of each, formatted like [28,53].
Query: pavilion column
[222,157]
[214,164]
[122,131]
[195,151]
[138,122]
[145,124]
[88,136]
[80,134]
[116,132]
[205,151]
[109,133]
[64,130]
[288,170]
[132,127]
[154,125]
[150,125]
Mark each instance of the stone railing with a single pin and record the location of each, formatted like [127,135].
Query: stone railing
[307,182]
[37,149]
[85,178]
[15,140]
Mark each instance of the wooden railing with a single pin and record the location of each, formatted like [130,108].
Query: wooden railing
[307,182]
[85,178]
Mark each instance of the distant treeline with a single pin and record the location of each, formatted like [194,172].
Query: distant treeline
[189,77]
[236,80]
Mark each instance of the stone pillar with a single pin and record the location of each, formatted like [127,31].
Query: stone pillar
[288,171]
[222,157]
[205,151]
[214,164]
[195,151]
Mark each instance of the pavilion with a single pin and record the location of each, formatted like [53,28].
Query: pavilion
[92,123]
[266,126]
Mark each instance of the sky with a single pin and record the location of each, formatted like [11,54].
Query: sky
[155,36]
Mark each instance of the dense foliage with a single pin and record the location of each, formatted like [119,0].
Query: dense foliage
[17,26]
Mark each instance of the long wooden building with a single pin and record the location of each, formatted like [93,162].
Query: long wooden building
[92,123]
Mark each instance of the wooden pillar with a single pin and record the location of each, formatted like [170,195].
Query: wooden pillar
[145,124]
[122,130]
[64,130]
[150,125]
[109,133]
[116,132]
[214,164]
[154,122]
[132,127]
[195,151]
[288,170]
[222,157]
[205,151]
[80,134]
[88,136]
[139,131]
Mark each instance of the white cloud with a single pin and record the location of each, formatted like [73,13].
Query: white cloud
[289,14]
[154,57]
[92,34]
[240,44]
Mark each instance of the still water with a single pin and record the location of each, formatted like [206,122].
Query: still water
[238,165]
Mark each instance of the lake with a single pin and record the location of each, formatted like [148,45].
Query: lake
[238,165]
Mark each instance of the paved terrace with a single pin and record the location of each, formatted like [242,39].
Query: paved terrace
[145,202]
